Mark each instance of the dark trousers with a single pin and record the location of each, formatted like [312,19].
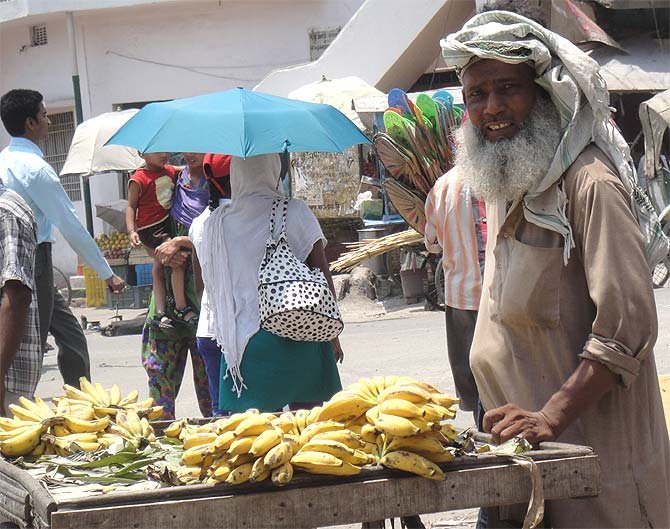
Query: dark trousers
[57,318]
[460,331]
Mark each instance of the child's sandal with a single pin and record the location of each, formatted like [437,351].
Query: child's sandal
[162,322]
[181,316]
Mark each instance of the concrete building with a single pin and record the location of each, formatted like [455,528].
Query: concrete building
[130,52]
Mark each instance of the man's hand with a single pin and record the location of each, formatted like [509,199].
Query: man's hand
[511,421]
[115,283]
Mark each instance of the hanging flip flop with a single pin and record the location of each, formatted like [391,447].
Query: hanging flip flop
[398,98]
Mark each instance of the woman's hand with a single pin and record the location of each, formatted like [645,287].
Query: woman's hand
[168,253]
[337,349]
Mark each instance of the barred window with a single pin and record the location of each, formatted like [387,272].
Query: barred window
[56,146]
[320,39]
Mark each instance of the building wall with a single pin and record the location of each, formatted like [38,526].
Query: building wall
[158,52]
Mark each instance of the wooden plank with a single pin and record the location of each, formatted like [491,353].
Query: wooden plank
[502,484]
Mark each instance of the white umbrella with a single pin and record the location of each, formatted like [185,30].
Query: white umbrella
[339,93]
[88,153]
[113,214]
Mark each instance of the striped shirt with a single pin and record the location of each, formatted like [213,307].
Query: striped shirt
[456,226]
[18,243]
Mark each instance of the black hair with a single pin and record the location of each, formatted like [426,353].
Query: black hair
[16,106]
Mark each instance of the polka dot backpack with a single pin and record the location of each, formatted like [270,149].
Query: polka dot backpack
[295,300]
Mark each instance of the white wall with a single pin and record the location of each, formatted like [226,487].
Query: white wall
[152,52]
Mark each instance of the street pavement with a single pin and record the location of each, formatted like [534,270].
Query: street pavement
[395,339]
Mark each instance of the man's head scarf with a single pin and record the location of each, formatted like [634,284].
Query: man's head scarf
[573,81]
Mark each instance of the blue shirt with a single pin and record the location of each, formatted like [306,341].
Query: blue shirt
[24,171]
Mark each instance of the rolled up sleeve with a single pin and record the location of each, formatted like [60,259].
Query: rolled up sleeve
[611,245]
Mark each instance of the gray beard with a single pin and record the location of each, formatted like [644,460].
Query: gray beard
[505,170]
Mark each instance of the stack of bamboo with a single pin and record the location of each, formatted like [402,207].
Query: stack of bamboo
[362,250]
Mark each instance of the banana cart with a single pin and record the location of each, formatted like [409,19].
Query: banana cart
[561,471]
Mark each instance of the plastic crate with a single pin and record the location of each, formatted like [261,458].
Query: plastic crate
[96,288]
[130,298]
[127,273]
[143,274]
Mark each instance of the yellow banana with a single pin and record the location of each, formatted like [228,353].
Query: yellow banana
[372,414]
[24,414]
[194,456]
[90,389]
[241,445]
[414,463]
[47,411]
[39,449]
[221,472]
[31,406]
[407,392]
[319,427]
[76,425]
[343,452]
[396,426]
[344,408]
[141,405]
[223,442]
[78,394]
[282,475]
[369,433]
[322,463]
[130,421]
[240,474]
[24,442]
[265,441]
[114,395]
[7,424]
[174,429]
[313,415]
[449,432]
[188,475]
[102,393]
[253,425]
[421,444]
[402,408]
[278,455]
[444,400]
[285,423]
[346,437]
[435,412]
[301,419]
[131,398]
[198,439]
[240,459]
[446,456]
[259,471]
[293,441]
[154,413]
[85,437]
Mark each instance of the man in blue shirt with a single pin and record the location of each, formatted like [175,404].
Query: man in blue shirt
[23,169]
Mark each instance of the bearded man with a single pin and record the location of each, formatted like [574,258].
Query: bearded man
[563,348]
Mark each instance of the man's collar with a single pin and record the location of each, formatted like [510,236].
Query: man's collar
[26,144]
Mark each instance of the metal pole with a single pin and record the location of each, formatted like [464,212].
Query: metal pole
[79,115]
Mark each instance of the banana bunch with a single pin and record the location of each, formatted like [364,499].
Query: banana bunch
[128,425]
[109,402]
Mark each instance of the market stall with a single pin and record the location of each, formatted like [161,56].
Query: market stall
[312,501]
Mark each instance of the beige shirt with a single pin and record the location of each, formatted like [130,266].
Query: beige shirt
[539,318]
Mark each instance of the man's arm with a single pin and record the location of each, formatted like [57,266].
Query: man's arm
[586,386]
[49,195]
[16,299]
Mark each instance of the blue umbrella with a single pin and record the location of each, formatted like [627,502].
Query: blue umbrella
[239,122]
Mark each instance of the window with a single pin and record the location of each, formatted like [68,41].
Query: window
[38,35]
[320,39]
[56,146]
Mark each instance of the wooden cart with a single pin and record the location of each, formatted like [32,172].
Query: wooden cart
[568,471]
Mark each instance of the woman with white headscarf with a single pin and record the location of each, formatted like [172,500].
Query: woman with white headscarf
[261,370]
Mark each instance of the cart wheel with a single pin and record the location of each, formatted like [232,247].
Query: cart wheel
[62,284]
[661,273]
[434,295]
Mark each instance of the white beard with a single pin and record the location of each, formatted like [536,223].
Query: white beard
[504,170]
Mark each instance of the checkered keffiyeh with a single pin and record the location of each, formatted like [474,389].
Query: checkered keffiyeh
[18,243]
[573,81]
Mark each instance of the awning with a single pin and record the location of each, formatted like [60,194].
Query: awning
[645,68]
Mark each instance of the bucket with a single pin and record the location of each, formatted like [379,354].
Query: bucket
[413,282]
[376,264]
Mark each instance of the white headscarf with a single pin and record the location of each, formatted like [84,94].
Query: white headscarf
[233,246]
